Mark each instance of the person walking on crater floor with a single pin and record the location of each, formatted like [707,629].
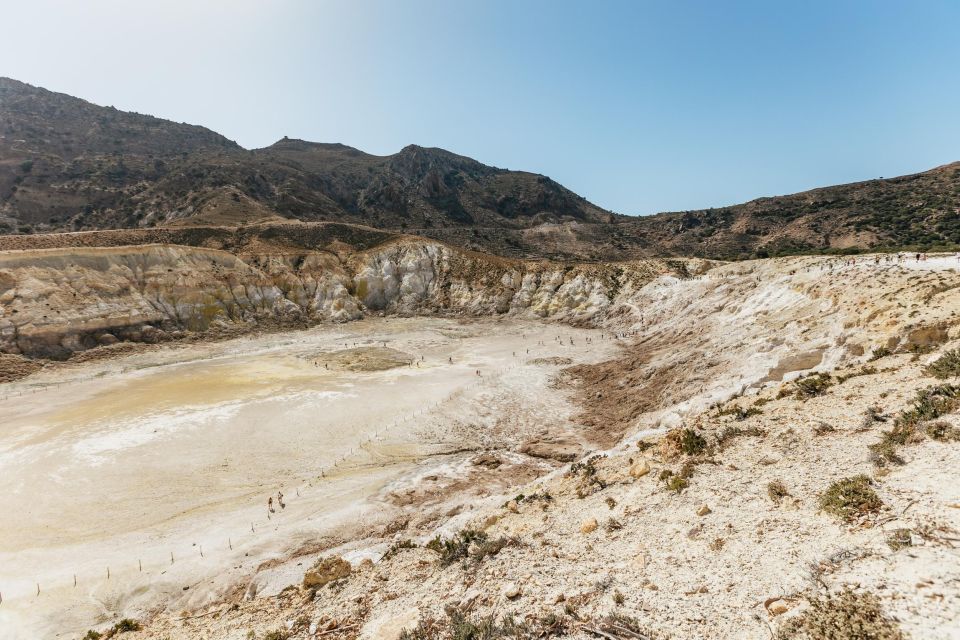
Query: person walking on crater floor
[270,504]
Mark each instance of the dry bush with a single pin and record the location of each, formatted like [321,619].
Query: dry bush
[777,491]
[930,403]
[946,366]
[851,498]
[456,548]
[459,624]
[812,386]
[899,538]
[844,616]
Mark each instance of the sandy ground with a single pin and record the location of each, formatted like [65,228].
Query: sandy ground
[145,480]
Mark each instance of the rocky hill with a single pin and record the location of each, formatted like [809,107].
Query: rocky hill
[919,211]
[69,165]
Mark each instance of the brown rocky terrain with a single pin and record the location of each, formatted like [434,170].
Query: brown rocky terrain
[69,165]
[66,164]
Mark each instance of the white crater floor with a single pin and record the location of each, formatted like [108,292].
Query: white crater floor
[142,482]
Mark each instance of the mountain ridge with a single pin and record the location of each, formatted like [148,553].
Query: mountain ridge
[70,165]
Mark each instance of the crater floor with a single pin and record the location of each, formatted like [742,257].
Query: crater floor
[146,479]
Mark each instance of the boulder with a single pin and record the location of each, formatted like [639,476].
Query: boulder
[325,571]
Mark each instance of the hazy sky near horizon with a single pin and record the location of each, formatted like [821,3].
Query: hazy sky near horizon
[638,106]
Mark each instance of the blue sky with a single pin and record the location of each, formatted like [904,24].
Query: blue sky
[639,106]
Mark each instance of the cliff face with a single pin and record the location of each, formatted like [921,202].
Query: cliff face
[63,300]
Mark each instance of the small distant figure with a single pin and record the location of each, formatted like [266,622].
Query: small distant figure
[280,500]
[270,504]
[478,372]
[450,359]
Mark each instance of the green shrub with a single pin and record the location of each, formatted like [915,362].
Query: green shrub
[740,413]
[456,548]
[929,404]
[812,385]
[946,366]
[397,547]
[851,498]
[692,443]
[844,616]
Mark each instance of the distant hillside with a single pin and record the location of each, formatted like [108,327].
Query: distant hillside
[66,164]
[69,165]
[919,211]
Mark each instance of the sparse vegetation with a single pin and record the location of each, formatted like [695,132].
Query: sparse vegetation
[586,470]
[899,538]
[880,352]
[844,616]
[929,404]
[456,548]
[459,624]
[777,491]
[728,434]
[397,547]
[812,386]
[823,429]
[677,482]
[851,498]
[740,413]
[946,366]
[692,443]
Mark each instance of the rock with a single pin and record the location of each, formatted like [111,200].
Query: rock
[511,591]
[639,469]
[776,606]
[589,525]
[559,450]
[326,571]
[390,625]
[487,460]
[704,510]
[512,506]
